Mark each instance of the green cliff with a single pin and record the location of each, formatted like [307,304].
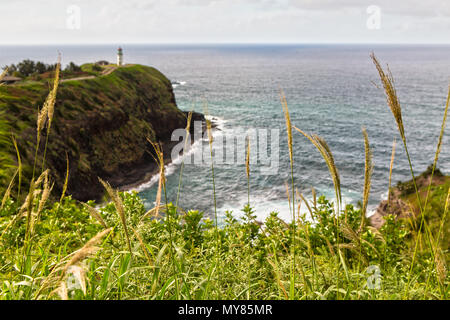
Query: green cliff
[101,123]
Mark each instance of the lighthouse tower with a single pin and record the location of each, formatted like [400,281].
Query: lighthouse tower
[119,57]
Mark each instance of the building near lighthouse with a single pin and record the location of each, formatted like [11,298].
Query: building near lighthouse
[120,57]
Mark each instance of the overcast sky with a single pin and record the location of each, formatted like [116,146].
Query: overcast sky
[224,21]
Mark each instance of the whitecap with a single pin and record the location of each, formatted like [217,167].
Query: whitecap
[172,167]
[262,206]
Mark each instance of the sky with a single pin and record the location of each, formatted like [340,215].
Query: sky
[224,21]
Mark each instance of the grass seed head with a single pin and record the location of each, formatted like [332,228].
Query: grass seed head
[368,169]
[115,197]
[391,94]
[247,158]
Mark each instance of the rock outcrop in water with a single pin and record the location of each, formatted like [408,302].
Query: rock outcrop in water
[102,124]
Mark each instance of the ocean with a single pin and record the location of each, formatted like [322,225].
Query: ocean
[330,91]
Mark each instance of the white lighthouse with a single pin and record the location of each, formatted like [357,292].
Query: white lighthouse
[120,57]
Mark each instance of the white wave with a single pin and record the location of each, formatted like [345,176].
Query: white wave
[172,167]
[176,84]
[371,209]
[262,207]
[218,122]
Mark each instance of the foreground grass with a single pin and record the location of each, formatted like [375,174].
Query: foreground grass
[255,261]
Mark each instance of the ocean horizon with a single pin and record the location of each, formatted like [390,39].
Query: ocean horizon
[330,92]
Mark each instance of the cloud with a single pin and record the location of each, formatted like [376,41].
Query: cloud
[224,21]
[405,8]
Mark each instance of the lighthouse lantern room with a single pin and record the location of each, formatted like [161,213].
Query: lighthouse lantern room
[120,57]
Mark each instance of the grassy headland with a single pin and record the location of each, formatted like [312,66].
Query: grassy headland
[101,123]
[403,204]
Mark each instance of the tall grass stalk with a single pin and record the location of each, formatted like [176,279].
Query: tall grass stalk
[307,206]
[66,180]
[29,209]
[8,190]
[32,214]
[115,197]
[436,156]
[368,169]
[438,150]
[59,271]
[291,160]
[440,266]
[210,142]
[161,180]
[159,158]
[326,154]
[19,162]
[45,194]
[186,144]
[325,151]
[391,166]
[247,170]
[395,107]
[275,266]
[43,115]
[51,100]
[96,215]
[144,248]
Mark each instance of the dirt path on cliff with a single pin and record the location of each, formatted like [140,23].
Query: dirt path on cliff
[105,72]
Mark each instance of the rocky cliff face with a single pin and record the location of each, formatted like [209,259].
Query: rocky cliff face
[403,202]
[102,124]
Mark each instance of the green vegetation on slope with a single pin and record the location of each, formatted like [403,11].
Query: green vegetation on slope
[254,262]
[436,204]
[102,124]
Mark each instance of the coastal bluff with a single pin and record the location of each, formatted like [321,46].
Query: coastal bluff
[404,203]
[101,123]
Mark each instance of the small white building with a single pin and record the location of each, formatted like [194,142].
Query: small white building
[9,80]
[120,57]
[102,63]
